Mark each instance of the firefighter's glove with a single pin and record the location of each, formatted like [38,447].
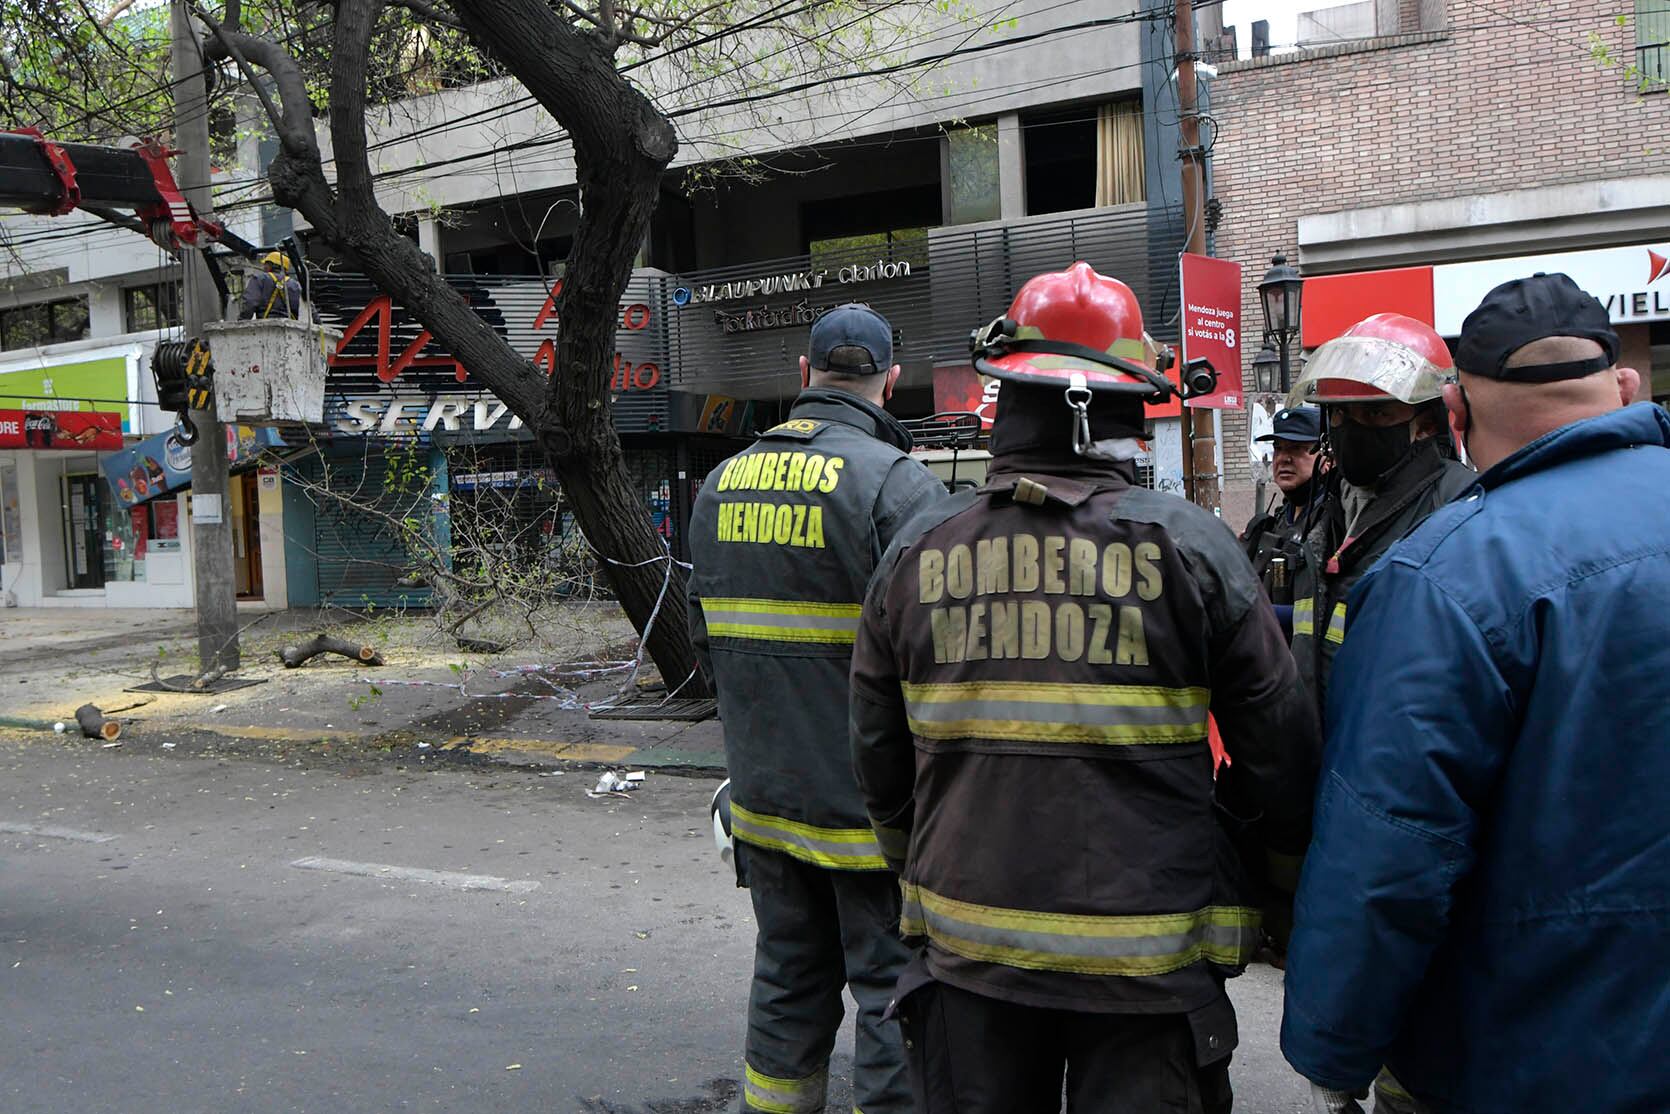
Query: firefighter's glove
[1325,1101]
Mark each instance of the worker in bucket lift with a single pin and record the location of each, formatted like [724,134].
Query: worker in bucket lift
[271,291]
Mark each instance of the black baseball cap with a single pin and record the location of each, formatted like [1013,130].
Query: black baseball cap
[853,339]
[1531,309]
[1297,423]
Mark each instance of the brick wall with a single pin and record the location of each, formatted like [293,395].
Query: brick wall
[1507,97]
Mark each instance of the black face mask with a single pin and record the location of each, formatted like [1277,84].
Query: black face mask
[1366,453]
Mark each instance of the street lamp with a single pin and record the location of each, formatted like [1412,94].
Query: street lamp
[1280,295]
[1266,369]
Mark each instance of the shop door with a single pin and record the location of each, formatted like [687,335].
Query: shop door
[84,525]
[247,535]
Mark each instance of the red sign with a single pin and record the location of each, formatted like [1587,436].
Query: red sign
[1334,303]
[64,430]
[964,390]
[1212,325]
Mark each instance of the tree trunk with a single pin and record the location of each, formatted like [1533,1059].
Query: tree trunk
[302,652]
[94,725]
[622,145]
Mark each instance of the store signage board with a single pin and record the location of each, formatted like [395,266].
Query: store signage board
[1633,283]
[160,465]
[789,283]
[60,430]
[1212,325]
[98,386]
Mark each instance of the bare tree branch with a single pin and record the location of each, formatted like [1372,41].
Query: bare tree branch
[429,13]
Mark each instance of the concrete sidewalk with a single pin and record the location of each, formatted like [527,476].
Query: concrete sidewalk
[525,706]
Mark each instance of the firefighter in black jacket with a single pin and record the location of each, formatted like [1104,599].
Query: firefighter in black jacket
[1031,688]
[783,539]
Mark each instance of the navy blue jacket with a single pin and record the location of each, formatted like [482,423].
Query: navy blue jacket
[1485,907]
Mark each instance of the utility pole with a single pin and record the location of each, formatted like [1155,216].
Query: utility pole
[211,517]
[1200,444]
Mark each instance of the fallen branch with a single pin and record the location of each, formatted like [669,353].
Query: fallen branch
[94,725]
[299,654]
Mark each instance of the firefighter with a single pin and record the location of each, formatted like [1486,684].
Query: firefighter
[1030,693]
[1280,531]
[271,291]
[784,537]
[1380,385]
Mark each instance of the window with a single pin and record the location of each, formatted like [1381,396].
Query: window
[1652,42]
[43,323]
[971,164]
[901,245]
[156,306]
[1060,160]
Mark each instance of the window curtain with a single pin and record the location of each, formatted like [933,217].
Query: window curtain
[1120,176]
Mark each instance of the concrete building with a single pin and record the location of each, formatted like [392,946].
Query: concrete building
[976,156]
[1460,145]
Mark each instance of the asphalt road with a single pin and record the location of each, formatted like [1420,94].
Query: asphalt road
[186,964]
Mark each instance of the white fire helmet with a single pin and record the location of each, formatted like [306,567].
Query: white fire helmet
[719,811]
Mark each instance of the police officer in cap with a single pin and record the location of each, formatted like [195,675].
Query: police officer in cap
[1280,531]
[1030,700]
[783,539]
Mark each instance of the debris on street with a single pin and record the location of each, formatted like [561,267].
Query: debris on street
[299,654]
[95,724]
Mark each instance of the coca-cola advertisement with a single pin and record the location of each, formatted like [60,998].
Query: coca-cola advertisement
[60,430]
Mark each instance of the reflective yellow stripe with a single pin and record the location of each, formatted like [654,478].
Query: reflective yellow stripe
[836,848]
[1304,616]
[894,842]
[1081,944]
[784,1096]
[1120,715]
[1336,624]
[782,620]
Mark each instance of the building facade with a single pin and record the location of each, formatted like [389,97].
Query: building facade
[1047,139]
[1458,145]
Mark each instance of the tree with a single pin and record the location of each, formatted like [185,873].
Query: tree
[572,57]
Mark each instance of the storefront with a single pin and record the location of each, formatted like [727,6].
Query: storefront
[411,436]
[1633,282]
[62,539]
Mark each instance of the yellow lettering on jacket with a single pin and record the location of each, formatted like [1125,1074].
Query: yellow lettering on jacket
[930,576]
[1006,630]
[785,471]
[798,525]
[1114,581]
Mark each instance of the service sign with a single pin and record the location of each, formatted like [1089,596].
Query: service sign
[389,377]
[1212,325]
[61,430]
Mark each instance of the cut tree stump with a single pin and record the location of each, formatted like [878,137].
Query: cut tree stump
[300,653]
[94,725]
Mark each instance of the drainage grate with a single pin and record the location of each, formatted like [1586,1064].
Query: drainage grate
[181,683]
[693,711]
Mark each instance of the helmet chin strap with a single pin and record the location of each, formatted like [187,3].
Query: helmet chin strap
[1077,395]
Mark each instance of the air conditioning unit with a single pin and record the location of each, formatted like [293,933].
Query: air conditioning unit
[270,371]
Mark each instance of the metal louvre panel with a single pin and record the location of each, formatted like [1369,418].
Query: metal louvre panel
[962,277]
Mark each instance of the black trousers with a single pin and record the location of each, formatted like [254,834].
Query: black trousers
[819,931]
[969,1054]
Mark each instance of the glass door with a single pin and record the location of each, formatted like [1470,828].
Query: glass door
[84,531]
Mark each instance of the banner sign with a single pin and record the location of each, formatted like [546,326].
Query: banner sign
[158,465]
[1212,325]
[63,430]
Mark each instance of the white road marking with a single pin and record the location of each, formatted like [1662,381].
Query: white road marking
[450,878]
[53,831]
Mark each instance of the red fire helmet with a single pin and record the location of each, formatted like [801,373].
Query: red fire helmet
[1384,356]
[1073,325]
